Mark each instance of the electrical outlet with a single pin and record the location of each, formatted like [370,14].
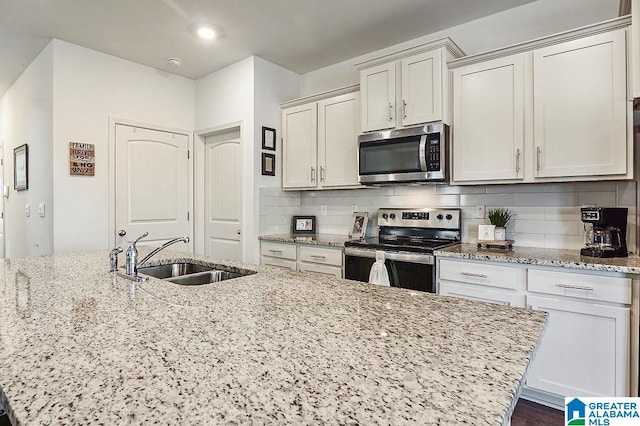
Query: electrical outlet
[323,209]
[354,208]
[27,210]
[480,211]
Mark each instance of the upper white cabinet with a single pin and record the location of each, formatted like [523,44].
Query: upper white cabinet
[551,110]
[408,87]
[635,47]
[320,142]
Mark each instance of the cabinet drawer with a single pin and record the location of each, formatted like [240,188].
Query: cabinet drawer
[276,261]
[479,273]
[320,255]
[481,293]
[335,271]
[584,286]
[284,251]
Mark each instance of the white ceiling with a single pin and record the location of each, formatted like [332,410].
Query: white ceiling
[301,35]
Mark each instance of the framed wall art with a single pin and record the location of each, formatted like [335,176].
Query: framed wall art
[359,225]
[303,225]
[268,138]
[21,168]
[268,164]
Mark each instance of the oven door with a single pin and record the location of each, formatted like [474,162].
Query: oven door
[414,271]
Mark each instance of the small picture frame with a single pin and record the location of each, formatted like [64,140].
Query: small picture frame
[268,138]
[268,164]
[303,225]
[21,168]
[359,225]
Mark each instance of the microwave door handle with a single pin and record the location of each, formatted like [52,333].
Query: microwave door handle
[423,153]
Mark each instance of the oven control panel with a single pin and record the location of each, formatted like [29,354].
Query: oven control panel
[420,218]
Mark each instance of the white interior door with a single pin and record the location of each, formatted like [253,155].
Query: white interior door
[223,195]
[152,185]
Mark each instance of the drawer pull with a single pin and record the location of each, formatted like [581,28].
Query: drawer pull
[471,274]
[315,256]
[275,251]
[574,287]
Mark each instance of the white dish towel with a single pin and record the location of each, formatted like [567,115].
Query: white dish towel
[379,274]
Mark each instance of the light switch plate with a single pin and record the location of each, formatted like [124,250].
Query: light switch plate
[41,209]
[27,210]
[480,211]
[323,209]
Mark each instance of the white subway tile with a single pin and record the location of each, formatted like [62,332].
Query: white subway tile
[528,240]
[466,189]
[536,199]
[553,227]
[528,213]
[417,191]
[564,242]
[495,200]
[562,213]
[597,198]
[627,195]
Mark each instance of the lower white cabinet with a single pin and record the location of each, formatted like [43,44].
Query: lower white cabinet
[586,349]
[302,257]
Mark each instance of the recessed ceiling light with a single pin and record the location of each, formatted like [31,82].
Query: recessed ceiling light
[206,33]
[174,62]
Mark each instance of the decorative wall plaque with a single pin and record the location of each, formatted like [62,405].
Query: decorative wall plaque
[82,159]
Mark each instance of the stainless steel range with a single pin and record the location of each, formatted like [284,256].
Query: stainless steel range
[408,238]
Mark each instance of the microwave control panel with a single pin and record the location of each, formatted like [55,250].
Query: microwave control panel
[433,153]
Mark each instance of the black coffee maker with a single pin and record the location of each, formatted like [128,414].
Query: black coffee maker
[605,231]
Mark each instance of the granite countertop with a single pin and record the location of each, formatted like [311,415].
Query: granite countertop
[543,257]
[81,346]
[332,240]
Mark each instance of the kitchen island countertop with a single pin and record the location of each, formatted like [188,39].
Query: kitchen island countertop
[543,257]
[81,346]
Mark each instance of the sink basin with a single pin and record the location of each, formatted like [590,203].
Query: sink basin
[171,270]
[204,277]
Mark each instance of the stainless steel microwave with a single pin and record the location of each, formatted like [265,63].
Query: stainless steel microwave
[411,155]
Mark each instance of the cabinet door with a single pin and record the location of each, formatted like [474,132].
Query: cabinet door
[422,88]
[480,293]
[488,120]
[378,87]
[635,47]
[299,146]
[338,129]
[584,351]
[580,107]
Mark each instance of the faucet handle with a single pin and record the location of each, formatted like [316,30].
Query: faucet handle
[113,257]
[139,238]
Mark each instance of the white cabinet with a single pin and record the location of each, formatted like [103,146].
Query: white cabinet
[555,110]
[407,88]
[302,257]
[488,120]
[320,142]
[635,48]
[585,349]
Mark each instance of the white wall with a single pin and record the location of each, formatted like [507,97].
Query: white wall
[532,20]
[90,88]
[248,92]
[26,116]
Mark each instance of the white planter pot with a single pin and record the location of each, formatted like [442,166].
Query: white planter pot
[500,234]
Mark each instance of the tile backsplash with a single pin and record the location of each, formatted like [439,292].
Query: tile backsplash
[547,215]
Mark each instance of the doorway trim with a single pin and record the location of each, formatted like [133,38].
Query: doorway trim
[113,122]
[198,159]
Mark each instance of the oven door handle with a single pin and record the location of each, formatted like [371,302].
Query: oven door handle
[423,153]
[423,258]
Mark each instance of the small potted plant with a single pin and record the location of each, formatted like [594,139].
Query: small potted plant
[499,217]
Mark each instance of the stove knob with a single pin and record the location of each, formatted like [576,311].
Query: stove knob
[392,216]
[439,217]
[385,216]
[449,217]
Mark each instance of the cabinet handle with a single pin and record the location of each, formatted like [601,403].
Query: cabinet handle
[315,256]
[574,287]
[321,173]
[313,174]
[517,161]
[471,274]
[390,112]
[538,150]
[275,251]
[404,109]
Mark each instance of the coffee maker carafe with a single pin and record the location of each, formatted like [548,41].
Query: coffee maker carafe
[605,231]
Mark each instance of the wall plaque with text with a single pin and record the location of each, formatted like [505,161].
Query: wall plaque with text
[82,159]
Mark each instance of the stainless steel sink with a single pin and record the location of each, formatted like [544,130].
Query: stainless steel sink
[204,277]
[187,273]
[171,270]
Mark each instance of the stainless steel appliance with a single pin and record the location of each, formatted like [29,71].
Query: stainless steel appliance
[412,155]
[605,231]
[408,238]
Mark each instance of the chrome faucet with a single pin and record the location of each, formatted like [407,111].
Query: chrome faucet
[132,264]
[113,258]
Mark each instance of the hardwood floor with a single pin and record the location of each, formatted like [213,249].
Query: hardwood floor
[529,413]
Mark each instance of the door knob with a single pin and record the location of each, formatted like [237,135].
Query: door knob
[238,232]
[122,232]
